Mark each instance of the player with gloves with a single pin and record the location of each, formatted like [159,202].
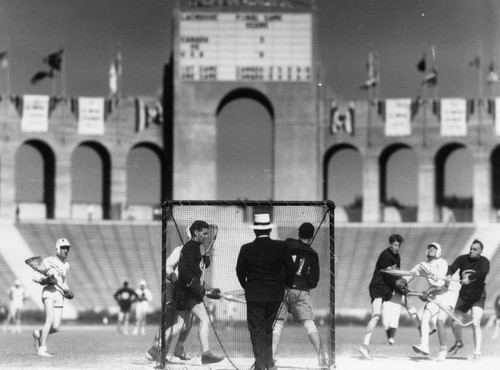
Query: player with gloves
[189,293]
[53,294]
[435,269]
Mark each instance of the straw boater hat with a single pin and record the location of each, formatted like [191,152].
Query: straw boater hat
[262,221]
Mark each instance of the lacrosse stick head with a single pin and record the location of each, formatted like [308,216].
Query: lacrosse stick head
[37,264]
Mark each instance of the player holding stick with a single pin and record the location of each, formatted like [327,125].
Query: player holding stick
[383,291]
[53,294]
[436,267]
[473,269]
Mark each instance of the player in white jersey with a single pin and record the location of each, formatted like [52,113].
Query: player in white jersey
[17,296]
[435,269]
[142,308]
[53,294]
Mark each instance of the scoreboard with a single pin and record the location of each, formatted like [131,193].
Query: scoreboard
[239,46]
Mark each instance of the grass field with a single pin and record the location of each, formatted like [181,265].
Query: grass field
[100,347]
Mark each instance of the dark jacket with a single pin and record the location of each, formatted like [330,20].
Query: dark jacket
[383,285]
[306,264]
[476,289]
[264,268]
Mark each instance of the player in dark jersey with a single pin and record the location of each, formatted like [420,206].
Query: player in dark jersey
[473,268]
[298,299]
[125,296]
[382,288]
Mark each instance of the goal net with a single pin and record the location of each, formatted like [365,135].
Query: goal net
[228,335]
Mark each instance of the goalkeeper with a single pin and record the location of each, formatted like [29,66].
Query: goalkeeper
[435,269]
[298,299]
[53,294]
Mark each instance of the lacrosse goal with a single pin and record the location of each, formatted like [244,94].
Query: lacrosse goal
[229,336]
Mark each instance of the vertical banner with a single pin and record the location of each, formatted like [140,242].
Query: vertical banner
[497,116]
[398,117]
[35,117]
[453,117]
[91,116]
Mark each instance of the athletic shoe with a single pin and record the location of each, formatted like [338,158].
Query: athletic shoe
[153,354]
[36,339]
[365,352]
[474,357]
[442,355]
[181,354]
[208,358]
[391,341]
[420,348]
[454,348]
[42,351]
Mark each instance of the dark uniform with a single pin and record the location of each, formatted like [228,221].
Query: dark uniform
[189,289]
[383,285]
[125,296]
[264,268]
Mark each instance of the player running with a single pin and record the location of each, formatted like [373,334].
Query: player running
[473,269]
[383,292]
[144,296]
[435,270]
[53,294]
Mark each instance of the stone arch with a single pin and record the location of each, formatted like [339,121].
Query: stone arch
[450,211]
[351,208]
[240,161]
[99,167]
[145,170]
[30,190]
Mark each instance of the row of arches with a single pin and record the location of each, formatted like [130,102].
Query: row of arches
[399,166]
[90,177]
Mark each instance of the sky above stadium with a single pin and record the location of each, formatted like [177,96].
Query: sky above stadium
[91,32]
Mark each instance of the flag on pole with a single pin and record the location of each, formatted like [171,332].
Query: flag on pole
[373,76]
[431,78]
[492,76]
[41,75]
[4,60]
[55,60]
[115,72]
[422,64]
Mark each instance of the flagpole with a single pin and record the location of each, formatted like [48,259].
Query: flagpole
[63,72]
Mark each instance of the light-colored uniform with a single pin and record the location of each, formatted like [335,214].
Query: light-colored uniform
[59,270]
[17,294]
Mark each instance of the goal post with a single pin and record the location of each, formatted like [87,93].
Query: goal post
[229,336]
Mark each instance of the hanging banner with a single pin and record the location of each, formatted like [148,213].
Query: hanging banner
[35,116]
[91,116]
[497,116]
[453,117]
[398,117]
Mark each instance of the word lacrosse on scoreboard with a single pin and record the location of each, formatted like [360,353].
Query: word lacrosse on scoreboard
[223,46]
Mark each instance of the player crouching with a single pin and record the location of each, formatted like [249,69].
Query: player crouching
[53,294]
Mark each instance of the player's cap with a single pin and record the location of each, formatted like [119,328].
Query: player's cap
[262,221]
[142,282]
[438,247]
[17,282]
[62,243]
[306,230]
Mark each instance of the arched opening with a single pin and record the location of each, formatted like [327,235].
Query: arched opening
[144,181]
[91,182]
[35,180]
[343,180]
[398,183]
[245,146]
[454,174]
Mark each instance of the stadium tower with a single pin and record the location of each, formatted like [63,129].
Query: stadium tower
[260,50]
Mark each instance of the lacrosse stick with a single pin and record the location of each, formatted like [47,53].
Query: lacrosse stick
[37,264]
[209,243]
[403,273]
[237,296]
[460,317]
